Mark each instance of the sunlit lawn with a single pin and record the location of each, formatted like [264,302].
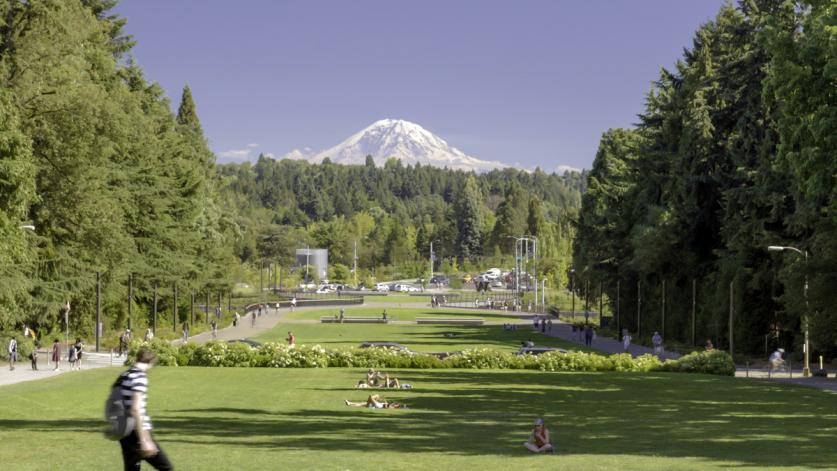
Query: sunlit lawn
[406,314]
[421,338]
[266,419]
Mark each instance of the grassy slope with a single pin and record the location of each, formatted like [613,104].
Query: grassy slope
[404,314]
[257,419]
[421,338]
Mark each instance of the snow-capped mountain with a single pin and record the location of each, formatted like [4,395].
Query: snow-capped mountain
[401,139]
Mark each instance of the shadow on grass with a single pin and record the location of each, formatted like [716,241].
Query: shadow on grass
[489,413]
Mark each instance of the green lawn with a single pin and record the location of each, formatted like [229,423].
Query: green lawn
[421,338]
[404,314]
[255,419]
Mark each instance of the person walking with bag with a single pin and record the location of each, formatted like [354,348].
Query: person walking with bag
[139,444]
[56,354]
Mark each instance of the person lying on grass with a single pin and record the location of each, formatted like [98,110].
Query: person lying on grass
[539,440]
[375,401]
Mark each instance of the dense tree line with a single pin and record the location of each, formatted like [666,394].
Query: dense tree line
[394,212]
[734,152]
[112,181]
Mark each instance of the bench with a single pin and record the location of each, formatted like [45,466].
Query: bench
[353,320]
[449,321]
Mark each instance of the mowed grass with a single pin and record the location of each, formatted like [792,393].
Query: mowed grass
[404,314]
[267,419]
[421,338]
[397,298]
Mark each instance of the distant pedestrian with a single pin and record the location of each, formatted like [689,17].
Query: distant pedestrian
[34,356]
[709,346]
[549,325]
[56,354]
[293,303]
[149,334]
[253,319]
[291,339]
[12,353]
[543,326]
[384,316]
[236,319]
[342,314]
[139,445]
[79,346]
[535,322]
[626,340]
[588,335]
[214,326]
[260,310]
[657,341]
[72,356]
[185,330]
[218,312]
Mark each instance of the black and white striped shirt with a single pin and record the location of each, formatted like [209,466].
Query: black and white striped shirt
[133,381]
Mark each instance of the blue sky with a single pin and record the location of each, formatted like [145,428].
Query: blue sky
[527,82]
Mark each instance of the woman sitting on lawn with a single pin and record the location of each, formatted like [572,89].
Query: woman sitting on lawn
[375,401]
[539,441]
[378,379]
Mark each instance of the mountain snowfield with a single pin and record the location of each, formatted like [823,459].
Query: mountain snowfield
[406,141]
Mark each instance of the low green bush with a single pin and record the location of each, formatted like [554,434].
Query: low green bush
[280,355]
[715,362]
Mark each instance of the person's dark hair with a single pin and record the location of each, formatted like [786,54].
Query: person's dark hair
[145,355]
[56,340]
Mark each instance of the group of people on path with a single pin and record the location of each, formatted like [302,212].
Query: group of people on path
[74,354]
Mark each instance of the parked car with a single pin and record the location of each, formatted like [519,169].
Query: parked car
[382,287]
[440,280]
[538,350]
[404,288]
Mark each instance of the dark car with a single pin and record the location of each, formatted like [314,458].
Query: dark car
[539,350]
[440,280]
[249,342]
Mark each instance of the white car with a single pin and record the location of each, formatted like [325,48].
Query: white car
[402,288]
[382,287]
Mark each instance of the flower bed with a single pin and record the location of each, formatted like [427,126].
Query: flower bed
[275,355]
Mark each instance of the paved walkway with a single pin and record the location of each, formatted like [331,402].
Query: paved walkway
[248,329]
[564,330]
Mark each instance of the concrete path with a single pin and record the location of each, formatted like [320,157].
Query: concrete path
[23,369]
[564,330]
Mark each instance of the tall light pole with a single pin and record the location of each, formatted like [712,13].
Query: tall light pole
[806,369]
[572,289]
[354,258]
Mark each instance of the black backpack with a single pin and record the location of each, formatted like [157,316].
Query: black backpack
[120,421]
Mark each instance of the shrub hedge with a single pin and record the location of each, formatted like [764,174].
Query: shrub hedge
[275,355]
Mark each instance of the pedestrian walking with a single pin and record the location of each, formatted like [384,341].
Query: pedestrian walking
[236,319]
[293,303]
[214,326]
[140,445]
[34,356]
[72,357]
[588,335]
[12,353]
[56,354]
[342,314]
[185,331]
[626,340]
[549,325]
[657,341]
[79,346]
[543,326]
[149,334]
[253,319]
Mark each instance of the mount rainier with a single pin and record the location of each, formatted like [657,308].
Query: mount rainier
[406,141]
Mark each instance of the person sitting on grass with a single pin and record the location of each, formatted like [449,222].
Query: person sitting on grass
[375,401]
[539,440]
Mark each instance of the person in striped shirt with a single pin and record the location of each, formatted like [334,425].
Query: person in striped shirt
[139,445]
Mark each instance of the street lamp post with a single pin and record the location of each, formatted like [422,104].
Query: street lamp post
[572,289]
[806,369]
